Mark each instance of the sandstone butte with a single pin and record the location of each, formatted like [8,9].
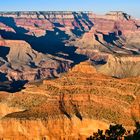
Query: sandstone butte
[81,72]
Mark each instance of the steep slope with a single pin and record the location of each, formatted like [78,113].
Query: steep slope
[21,62]
[112,44]
[40,45]
[116,32]
[121,66]
[70,107]
[79,96]
[34,43]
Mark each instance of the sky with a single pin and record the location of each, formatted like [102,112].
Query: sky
[132,7]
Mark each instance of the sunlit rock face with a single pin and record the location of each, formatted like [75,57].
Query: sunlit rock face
[34,43]
[71,107]
[113,43]
[23,63]
[37,22]
[69,73]
[40,45]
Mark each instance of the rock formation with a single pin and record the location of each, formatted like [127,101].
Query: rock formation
[69,107]
[61,40]
[121,67]
[69,73]
[34,43]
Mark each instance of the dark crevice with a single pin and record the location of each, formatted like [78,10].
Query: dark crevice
[9,21]
[11,86]
[53,42]
[4,51]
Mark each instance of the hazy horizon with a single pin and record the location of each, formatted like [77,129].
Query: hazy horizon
[98,7]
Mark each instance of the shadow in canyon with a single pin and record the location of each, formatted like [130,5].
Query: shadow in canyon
[105,44]
[9,21]
[4,51]
[79,29]
[5,84]
[17,85]
[77,18]
[76,111]
[114,39]
[90,23]
[57,25]
[10,86]
[3,77]
[109,38]
[53,42]
[62,106]
[138,26]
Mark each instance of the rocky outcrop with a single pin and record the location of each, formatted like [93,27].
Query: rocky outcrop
[30,129]
[118,15]
[37,22]
[24,63]
[70,107]
[40,45]
[121,67]
[82,96]
[35,43]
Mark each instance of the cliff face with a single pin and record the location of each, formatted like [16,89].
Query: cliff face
[121,67]
[40,45]
[113,44]
[81,96]
[37,22]
[30,129]
[34,44]
[69,107]
[23,63]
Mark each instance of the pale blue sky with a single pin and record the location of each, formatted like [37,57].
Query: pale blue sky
[99,6]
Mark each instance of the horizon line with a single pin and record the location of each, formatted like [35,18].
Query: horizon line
[86,11]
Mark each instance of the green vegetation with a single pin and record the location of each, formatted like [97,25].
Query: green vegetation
[116,132]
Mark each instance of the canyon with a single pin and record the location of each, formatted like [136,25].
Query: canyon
[64,75]
[38,45]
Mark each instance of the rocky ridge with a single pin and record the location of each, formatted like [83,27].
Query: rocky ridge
[38,44]
[78,103]
[82,71]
